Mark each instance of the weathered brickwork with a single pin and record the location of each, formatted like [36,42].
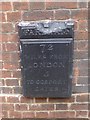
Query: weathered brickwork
[14,105]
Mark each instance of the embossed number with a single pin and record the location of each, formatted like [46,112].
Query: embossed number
[49,47]
[43,47]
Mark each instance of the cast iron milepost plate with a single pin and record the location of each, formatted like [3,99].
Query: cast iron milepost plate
[47,68]
[46,58]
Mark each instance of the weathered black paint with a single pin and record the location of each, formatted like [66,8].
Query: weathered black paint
[47,63]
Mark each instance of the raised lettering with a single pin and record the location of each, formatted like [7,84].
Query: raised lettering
[46,74]
[37,89]
[37,82]
[42,64]
[31,81]
[35,65]
[49,64]
[55,65]
[50,47]
[43,48]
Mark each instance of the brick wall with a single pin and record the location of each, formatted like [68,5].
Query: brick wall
[14,105]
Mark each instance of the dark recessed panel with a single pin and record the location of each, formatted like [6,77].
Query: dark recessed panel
[46,67]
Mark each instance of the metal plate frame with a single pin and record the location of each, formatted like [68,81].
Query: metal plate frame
[31,81]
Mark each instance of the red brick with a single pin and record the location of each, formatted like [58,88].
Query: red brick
[37,5]
[6,56]
[6,6]
[82,98]
[82,80]
[2,17]
[4,37]
[89,114]
[40,100]
[15,57]
[17,90]
[82,4]
[1,91]
[13,16]
[83,72]
[28,115]
[41,107]
[13,38]
[3,47]
[4,114]
[12,82]
[7,90]
[0,37]
[9,38]
[1,64]
[76,71]
[63,114]
[3,82]
[62,14]
[2,99]
[14,114]
[75,45]
[10,66]
[79,14]
[12,99]
[61,107]
[8,107]
[21,107]
[10,47]
[7,27]
[58,5]
[6,74]
[79,35]
[0,47]
[20,5]
[83,25]
[82,64]
[1,60]
[80,55]
[82,45]
[81,114]
[79,107]
[0,113]
[80,89]
[16,74]
[38,15]
[75,25]
[41,114]
[26,100]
